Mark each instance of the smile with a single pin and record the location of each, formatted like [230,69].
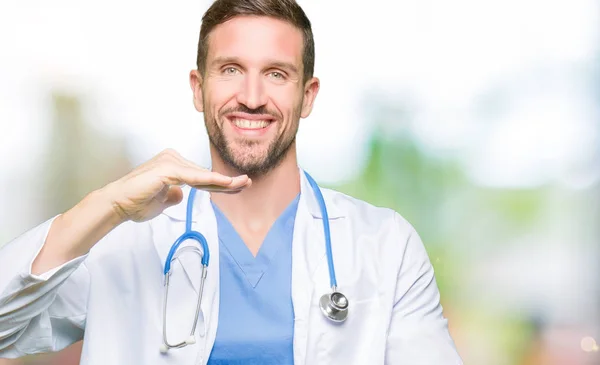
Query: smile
[250,124]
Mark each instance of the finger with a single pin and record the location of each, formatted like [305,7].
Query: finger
[199,178]
[177,158]
[238,184]
[162,194]
[169,194]
[174,196]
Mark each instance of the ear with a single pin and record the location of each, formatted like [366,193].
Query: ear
[311,88]
[196,85]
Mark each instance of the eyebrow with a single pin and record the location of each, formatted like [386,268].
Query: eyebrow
[277,64]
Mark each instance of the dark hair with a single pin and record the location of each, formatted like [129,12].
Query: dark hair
[287,10]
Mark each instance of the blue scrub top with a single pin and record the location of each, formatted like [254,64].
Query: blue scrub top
[256,317]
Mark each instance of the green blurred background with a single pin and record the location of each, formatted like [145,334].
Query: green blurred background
[477,121]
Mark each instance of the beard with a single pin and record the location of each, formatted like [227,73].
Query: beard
[249,157]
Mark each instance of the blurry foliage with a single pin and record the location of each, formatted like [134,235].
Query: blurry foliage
[436,197]
[398,175]
[79,158]
[454,217]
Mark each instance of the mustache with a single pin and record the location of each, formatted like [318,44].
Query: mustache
[262,110]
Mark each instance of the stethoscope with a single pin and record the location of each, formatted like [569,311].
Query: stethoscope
[334,305]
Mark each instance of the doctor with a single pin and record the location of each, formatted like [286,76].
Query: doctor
[278,270]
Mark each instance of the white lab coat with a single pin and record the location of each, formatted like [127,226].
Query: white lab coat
[115,292]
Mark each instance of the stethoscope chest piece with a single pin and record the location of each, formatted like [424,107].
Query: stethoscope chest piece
[334,306]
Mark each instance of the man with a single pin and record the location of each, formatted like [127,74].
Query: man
[96,271]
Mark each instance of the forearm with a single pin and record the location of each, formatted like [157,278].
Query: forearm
[29,304]
[75,232]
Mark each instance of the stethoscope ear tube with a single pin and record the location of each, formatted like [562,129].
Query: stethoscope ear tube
[164,348]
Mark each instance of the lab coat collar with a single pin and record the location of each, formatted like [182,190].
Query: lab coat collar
[310,200]
[307,196]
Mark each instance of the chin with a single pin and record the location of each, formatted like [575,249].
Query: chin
[249,166]
[252,158]
[249,154]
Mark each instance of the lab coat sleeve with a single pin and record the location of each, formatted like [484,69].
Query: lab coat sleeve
[418,332]
[42,313]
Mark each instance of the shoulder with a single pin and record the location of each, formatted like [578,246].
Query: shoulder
[379,242]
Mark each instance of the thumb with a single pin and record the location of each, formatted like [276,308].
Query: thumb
[173,196]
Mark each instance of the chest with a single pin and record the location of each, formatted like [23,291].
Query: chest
[134,305]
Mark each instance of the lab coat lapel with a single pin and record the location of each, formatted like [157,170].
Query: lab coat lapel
[306,255]
[308,258]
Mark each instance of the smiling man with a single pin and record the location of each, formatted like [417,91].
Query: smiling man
[254,82]
[297,274]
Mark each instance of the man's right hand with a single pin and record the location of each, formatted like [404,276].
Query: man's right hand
[139,196]
[154,186]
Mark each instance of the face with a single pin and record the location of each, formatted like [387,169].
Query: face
[252,93]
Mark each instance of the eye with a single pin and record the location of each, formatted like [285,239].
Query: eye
[230,71]
[277,75]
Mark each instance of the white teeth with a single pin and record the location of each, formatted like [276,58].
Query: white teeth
[250,124]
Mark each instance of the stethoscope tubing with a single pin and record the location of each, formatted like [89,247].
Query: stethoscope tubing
[328,305]
[189,234]
[326,229]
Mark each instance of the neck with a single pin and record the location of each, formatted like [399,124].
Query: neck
[257,207]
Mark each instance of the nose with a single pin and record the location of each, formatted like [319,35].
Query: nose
[252,93]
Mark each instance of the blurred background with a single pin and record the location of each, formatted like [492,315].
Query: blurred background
[478,121]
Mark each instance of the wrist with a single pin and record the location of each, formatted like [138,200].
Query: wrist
[75,232]
[111,211]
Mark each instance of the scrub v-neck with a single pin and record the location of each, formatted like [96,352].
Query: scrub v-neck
[256,315]
[279,234]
